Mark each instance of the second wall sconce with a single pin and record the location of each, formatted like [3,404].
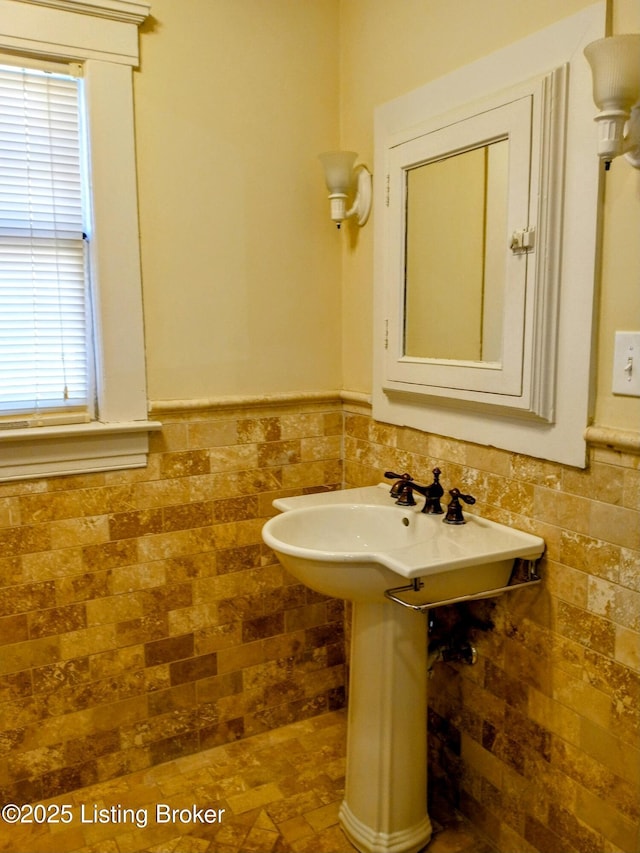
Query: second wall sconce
[342,179]
[615,66]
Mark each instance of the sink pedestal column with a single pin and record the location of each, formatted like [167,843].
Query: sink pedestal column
[385,804]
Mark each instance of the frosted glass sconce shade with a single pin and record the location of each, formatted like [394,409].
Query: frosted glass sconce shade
[338,168]
[615,66]
[341,177]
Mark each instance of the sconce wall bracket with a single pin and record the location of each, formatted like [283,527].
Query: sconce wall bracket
[361,207]
[632,138]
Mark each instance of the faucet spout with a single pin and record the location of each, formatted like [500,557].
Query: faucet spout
[435,491]
[431,494]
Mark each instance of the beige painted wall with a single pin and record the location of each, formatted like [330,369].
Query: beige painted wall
[234,100]
[389,48]
[248,288]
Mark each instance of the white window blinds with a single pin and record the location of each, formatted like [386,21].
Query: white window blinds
[44,328]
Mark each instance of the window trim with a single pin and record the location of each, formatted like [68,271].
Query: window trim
[108,51]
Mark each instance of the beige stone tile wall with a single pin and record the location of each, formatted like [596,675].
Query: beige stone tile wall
[539,742]
[141,617]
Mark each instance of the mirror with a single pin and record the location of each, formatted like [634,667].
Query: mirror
[456,230]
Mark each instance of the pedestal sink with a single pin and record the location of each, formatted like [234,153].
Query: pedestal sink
[358,545]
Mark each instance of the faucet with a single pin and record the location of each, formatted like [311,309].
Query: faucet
[454,510]
[434,492]
[404,488]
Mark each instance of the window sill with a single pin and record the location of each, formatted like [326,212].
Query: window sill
[49,451]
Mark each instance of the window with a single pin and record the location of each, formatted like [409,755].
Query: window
[72,371]
[45,341]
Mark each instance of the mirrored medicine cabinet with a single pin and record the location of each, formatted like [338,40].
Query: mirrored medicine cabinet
[485,248]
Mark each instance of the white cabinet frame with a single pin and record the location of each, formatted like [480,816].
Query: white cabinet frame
[536,399]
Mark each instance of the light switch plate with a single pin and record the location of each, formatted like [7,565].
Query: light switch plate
[626,364]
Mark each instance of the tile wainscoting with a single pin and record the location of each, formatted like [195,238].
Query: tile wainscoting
[143,620]
[141,616]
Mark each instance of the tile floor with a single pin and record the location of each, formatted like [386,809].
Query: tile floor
[277,792]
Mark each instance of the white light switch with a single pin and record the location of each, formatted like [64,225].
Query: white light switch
[626,364]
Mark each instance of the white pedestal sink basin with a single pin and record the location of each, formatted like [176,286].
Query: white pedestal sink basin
[357,544]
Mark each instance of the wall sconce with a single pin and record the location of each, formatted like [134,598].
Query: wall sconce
[615,65]
[342,177]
